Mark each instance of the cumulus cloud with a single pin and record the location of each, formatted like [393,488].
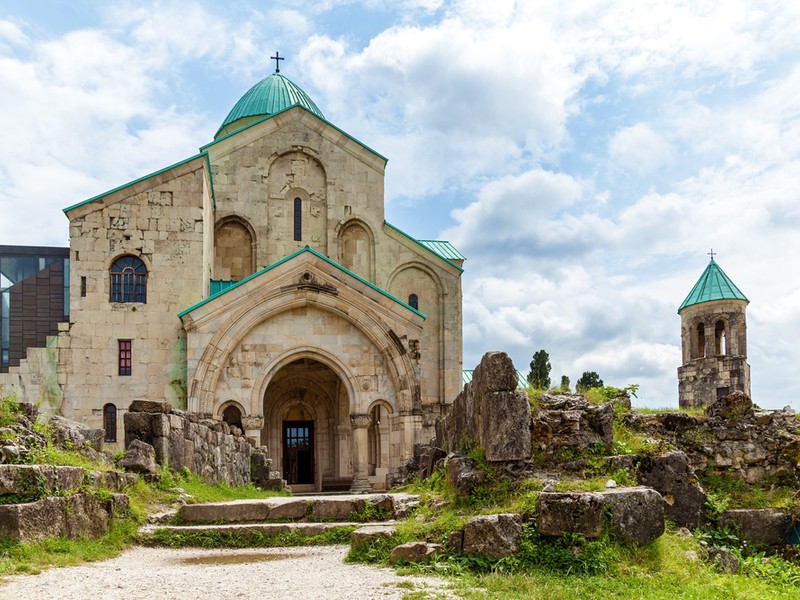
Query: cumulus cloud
[639,149]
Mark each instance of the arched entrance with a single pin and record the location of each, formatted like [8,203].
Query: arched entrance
[307,425]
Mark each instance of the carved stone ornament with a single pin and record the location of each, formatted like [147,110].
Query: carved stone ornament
[359,421]
[252,422]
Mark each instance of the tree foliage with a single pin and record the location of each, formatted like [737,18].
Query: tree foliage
[564,383]
[589,380]
[539,375]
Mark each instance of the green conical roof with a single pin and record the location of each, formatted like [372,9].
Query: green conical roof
[712,285]
[269,96]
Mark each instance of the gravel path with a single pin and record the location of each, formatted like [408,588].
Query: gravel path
[165,574]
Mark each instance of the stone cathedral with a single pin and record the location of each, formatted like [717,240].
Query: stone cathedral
[257,282]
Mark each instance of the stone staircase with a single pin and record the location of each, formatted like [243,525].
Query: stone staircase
[305,516]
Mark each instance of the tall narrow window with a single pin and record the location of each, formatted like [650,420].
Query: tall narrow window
[110,422]
[128,280]
[83,287]
[125,351]
[701,341]
[298,219]
[413,301]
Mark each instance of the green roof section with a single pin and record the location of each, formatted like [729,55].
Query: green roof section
[419,243]
[466,377]
[269,96]
[223,289]
[712,285]
[443,248]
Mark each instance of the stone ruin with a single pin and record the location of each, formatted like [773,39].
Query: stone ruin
[734,438]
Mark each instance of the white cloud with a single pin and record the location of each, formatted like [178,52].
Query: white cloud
[639,149]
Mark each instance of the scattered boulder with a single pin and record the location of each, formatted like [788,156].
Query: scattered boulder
[339,509]
[140,457]
[492,536]
[734,405]
[671,476]
[570,512]
[763,527]
[455,540]
[724,560]
[414,552]
[462,474]
[635,514]
[34,521]
[505,419]
[77,436]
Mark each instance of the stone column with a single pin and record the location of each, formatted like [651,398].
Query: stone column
[360,423]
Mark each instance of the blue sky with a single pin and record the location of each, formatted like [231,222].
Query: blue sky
[584,156]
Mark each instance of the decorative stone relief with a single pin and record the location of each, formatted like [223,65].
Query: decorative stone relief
[360,421]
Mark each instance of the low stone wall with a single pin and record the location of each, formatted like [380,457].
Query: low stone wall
[208,448]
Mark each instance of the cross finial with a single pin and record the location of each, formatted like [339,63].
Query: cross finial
[712,254]
[277,58]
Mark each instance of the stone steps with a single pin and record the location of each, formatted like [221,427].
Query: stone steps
[251,530]
[304,516]
[339,508]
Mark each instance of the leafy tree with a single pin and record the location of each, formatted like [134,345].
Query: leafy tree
[564,383]
[589,380]
[539,376]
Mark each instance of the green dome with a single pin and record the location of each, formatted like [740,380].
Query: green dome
[712,285]
[267,97]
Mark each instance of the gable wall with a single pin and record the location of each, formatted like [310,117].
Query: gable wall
[162,225]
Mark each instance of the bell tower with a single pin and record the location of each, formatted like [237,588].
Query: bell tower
[713,340]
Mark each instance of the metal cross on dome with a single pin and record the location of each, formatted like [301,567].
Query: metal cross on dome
[712,254]
[277,58]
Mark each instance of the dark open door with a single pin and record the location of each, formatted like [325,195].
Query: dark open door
[298,452]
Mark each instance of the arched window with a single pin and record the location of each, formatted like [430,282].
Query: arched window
[719,338]
[413,301]
[232,416]
[298,219]
[701,341]
[110,422]
[128,280]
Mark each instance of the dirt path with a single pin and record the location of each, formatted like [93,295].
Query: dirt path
[164,574]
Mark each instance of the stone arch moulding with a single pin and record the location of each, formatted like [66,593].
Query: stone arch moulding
[227,403]
[132,252]
[437,281]
[297,149]
[244,222]
[344,226]
[319,354]
[239,323]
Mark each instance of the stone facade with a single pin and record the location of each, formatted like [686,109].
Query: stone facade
[338,325]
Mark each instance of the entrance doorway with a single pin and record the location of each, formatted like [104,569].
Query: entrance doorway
[298,452]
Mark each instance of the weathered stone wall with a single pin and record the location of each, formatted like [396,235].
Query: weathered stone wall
[734,438]
[208,448]
[569,421]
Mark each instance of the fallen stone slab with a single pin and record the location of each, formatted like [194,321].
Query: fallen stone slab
[419,552]
[140,457]
[763,527]
[635,514]
[672,476]
[369,534]
[289,511]
[235,511]
[33,521]
[337,509]
[492,536]
[24,480]
[570,512]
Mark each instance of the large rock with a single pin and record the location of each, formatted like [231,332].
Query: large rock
[33,521]
[33,480]
[292,510]
[495,373]
[77,436]
[763,527]
[506,426]
[671,476]
[86,516]
[420,552]
[150,406]
[140,457]
[492,536]
[570,512]
[635,515]
[337,509]
[462,474]
[734,405]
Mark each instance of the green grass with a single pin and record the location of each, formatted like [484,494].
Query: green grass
[253,539]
